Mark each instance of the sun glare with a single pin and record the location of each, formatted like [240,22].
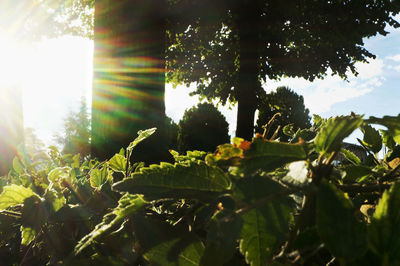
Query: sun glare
[53,75]
[11,54]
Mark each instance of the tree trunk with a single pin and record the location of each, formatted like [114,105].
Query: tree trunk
[247,25]
[129,72]
[11,126]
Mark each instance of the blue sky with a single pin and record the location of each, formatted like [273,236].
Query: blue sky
[56,73]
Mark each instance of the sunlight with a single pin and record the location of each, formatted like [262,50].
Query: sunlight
[10,64]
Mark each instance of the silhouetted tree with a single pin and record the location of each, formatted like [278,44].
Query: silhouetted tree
[171,131]
[129,76]
[11,126]
[76,136]
[230,47]
[292,111]
[202,127]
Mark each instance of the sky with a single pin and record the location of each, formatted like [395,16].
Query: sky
[55,74]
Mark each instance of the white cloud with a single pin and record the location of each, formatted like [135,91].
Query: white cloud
[395,58]
[321,95]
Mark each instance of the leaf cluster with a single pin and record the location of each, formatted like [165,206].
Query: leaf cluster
[259,202]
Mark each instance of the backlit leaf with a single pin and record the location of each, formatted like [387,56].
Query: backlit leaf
[391,122]
[268,155]
[331,135]
[372,139]
[13,195]
[117,163]
[55,199]
[98,177]
[127,205]
[28,234]
[143,134]
[58,174]
[194,180]
[351,157]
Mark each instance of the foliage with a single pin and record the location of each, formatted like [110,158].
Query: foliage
[259,202]
[229,47]
[76,137]
[202,127]
[292,112]
[171,131]
[47,18]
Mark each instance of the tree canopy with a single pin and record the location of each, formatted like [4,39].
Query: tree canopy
[230,47]
[203,128]
[291,108]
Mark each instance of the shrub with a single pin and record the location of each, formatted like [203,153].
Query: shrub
[292,111]
[260,202]
[202,128]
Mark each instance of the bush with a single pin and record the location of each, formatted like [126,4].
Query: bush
[202,128]
[292,111]
[261,203]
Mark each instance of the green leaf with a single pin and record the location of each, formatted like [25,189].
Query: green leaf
[223,233]
[98,177]
[384,230]
[13,195]
[372,139]
[127,205]
[55,199]
[288,130]
[355,173]
[351,157]
[337,226]
[387,139]
[164,244]
[391,122]
[163,254]
[143,134]
[266,227]
[331,135]
[192,180]
[28,234]
[268,155]
[118,163]
[191,156]
[318,121]
[76,161]
[34,216]
[18,166]
[58,174]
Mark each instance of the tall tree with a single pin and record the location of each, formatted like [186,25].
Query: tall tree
[230,47]
[291,108]
[76,136]
[11,126]
[129,72]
